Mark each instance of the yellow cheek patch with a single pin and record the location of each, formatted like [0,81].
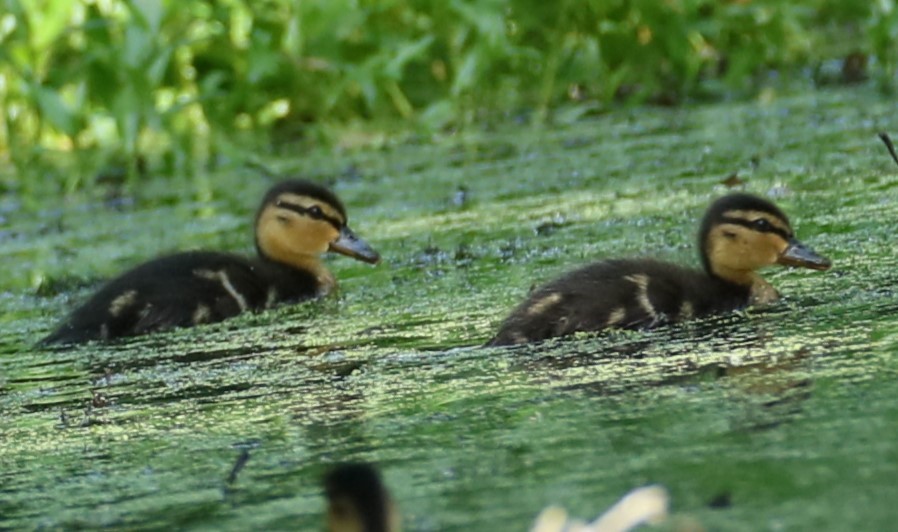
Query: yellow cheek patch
[764,248]
[296,242]
[736,247]
[776,242]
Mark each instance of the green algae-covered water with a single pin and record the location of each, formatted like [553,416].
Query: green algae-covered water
[783,418]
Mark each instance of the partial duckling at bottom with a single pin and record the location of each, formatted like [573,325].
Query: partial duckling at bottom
[358,501]
[740,234]
[646,505]
[296,223]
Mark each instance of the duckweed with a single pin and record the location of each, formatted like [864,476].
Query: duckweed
[775,418]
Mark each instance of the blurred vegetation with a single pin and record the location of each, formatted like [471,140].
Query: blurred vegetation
[177,84]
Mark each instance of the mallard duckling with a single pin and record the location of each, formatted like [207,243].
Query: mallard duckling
[740,234]
[296,223]
[648,504]
[358,501]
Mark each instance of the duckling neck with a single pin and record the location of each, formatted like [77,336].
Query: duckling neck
[307,266]
[735,276]
[760,291]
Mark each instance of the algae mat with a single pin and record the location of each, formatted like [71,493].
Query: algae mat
[773,419]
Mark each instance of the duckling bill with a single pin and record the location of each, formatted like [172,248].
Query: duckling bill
[297,222]
[739,234]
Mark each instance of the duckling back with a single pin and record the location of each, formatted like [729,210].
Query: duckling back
[625,294]
[180,291]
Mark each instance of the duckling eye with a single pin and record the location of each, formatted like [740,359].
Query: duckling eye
[315,212]
[761,224]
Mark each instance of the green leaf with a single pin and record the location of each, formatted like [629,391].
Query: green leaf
[407,52]
[54,110]
[439,114]
[48,22]
[149,12]
[466,76]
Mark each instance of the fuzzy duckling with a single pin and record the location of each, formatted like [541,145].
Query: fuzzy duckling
[296,223]
[648,504]
[740,234]
[358,501]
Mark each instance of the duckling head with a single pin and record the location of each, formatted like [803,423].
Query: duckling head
[358,501]
[299,220]
[742,233]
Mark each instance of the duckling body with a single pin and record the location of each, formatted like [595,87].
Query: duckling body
[626,294]
[740,234]
[296,222]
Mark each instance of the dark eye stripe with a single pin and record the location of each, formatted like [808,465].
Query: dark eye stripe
[750,224]
[312,212]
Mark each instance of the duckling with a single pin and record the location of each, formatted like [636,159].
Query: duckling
[644,505]
[740,234]
[296,223]
[358,501]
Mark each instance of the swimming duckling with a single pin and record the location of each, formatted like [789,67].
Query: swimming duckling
[740,233]
[296,223]
[358,501]
[648,504]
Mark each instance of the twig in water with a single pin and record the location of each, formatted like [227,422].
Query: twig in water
[888,142]
[238,465]
[63,419]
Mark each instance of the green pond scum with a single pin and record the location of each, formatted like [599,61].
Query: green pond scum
[777,418]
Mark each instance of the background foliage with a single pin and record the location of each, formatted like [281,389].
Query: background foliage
[175,84]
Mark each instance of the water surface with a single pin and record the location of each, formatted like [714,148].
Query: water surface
[771,419]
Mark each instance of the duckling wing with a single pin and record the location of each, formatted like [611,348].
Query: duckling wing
[175,291]
[629,294]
